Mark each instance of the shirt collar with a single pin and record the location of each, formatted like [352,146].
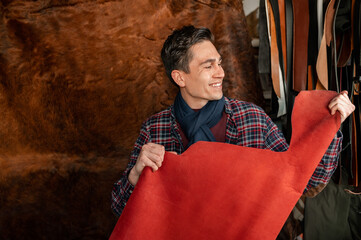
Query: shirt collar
[227,106]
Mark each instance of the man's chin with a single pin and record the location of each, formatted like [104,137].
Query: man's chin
[216,98]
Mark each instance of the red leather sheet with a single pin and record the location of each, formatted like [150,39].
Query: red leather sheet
[223,191]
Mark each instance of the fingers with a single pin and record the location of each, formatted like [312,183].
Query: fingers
[336,99]
[340,100]
[155,153]
[151,155]
[342,104]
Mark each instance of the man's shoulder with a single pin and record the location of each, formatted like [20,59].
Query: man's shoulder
[239,106]
[164,116]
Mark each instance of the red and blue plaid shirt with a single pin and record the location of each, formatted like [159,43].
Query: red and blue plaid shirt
[247,125]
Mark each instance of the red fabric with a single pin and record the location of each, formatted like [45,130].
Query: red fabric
[222,191]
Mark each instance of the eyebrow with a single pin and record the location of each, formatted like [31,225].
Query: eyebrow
[211,60]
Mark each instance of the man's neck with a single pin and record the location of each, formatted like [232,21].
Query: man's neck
[194,104]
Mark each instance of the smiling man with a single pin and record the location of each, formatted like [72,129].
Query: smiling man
[202,81]
[201,113]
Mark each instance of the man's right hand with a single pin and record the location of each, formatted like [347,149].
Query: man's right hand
[151,155]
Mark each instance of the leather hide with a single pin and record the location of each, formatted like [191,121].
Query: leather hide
[223,191]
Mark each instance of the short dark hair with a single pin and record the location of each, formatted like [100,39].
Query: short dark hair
[175,52]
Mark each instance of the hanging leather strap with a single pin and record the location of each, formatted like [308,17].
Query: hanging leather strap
[276,14]
[282,12]
[274,50]
[264,44]
[334,79]
[312,45]
[320,19]
[354,143]
[343,48]
[343,31]
[289,40]
[356,38]
[322,65]
[356,131]
[300,43]
[277,62]
[355,166]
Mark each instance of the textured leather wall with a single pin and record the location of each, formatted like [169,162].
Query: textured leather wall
[77,78]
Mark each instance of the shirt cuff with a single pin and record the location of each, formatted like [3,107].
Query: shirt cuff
[128,187]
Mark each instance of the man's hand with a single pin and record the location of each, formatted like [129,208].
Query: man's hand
[342,104]
[151,155]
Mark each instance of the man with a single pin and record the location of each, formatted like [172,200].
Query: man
[201,112]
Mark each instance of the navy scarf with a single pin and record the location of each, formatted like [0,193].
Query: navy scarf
[196,125]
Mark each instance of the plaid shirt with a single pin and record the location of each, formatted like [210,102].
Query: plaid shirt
[247,125]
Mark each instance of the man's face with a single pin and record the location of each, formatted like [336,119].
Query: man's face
[203,83]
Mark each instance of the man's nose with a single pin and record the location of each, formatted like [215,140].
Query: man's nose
[219,73]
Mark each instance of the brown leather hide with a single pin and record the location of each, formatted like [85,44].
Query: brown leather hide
[77,79]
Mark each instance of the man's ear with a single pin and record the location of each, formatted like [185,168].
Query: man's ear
[178,78]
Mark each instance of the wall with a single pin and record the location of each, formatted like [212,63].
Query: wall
[77,79]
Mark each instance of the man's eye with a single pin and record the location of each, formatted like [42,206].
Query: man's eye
[208,67]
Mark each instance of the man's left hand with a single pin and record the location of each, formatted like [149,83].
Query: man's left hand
[342,104]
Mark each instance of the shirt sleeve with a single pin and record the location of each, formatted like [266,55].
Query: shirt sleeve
[122,189]
[275,141]
[328,163]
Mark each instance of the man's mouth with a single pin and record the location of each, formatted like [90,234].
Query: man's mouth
[216,84]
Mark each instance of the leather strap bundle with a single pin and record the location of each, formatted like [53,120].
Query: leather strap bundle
[348,31]
[356,121]
[318,47]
